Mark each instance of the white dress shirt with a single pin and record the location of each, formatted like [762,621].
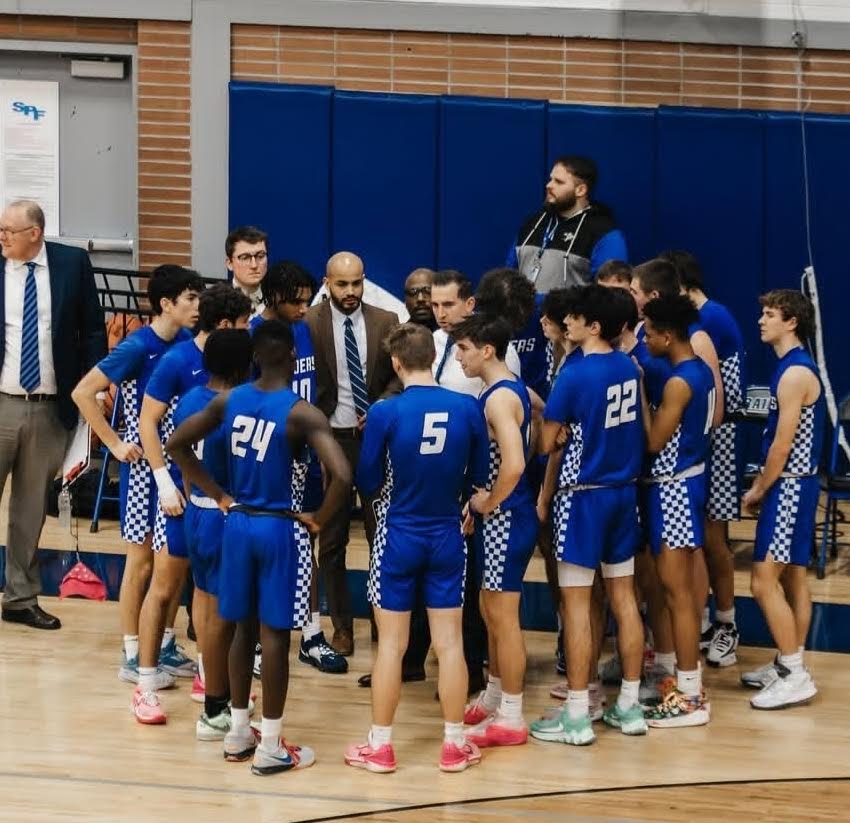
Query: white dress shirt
[255,296]
[452,376]
[15,281]
[345,415]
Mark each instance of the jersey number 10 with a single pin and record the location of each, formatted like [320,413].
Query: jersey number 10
[622,400]
[246,428]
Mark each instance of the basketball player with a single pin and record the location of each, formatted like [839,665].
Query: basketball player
[288,289]
[422,448]
[173,295]
[178,371]
[506,528]
[615,274]
[678,437]
[265,559]
[785,495]
[227,362]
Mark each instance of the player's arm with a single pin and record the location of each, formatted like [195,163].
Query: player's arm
[549,485]
[306,422]
[790,396]
[677,395]
[704,349]
[554,433]
[152,412]
[192,431]
[501,410]
[370,464]
[85,396]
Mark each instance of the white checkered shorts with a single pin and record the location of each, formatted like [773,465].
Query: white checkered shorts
[380,506]
[724,492]
[496,533]
[137,524]
[561,519]
[787,508]
[301,596]
[677,530]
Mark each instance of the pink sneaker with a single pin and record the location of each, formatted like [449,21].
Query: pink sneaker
[146,708]
[454,758]
[476,712]
[198,691]
[497,734]
[363,756]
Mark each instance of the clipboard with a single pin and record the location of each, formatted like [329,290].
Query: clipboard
[78,454]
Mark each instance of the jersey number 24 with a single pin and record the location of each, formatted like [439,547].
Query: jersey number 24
[246,428]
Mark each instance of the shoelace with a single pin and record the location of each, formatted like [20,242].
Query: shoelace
[149,698]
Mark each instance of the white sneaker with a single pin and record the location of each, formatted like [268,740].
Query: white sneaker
[724,643]
[212,728]
[258,662]
[787,690]
[760,678]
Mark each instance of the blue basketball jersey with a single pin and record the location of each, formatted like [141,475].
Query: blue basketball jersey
[690,442]
[599,399]
[261,464]
[718,322]
[180,369]
[304,374]
[521,493]
[808,439]
[531,344]
[425,446]
[212,450]
[656,370]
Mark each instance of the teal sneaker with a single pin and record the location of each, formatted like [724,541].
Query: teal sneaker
[560,728]
[173,660]
[631,721]
[129,671]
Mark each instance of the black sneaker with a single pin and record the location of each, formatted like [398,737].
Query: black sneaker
[560,660]
[318,653]
[706,637]
[721,651]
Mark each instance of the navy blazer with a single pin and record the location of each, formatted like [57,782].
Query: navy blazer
[76,318]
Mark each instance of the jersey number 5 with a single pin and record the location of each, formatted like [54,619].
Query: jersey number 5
[434,433]
[246,428]
[622,400]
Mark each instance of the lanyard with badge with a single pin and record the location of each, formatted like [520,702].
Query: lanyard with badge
[548,236]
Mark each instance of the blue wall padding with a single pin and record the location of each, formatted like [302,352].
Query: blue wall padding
[280,167]
[709,199]
[491,154]
[622,142]
[409,181]
[384,167]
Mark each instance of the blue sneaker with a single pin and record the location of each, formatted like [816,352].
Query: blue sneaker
[129,672]
[561,728]
[285,758]
[173,660]
[319,653]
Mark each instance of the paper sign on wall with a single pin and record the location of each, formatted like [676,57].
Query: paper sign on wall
[29,146]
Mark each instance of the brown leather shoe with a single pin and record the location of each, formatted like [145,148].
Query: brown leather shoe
[343,642]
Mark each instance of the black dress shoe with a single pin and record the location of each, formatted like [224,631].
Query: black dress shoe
[365,681]
[33,616]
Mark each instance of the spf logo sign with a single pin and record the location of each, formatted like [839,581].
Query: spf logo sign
[27,110]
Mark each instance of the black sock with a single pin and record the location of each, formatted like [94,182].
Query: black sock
[214,706]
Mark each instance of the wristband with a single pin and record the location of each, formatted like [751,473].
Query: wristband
[165,485]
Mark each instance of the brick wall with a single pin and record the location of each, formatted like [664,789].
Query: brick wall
[165,160]
[75,29]
[572,70]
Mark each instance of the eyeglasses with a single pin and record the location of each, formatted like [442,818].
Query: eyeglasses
[247,257]
[417,290]
[5,230]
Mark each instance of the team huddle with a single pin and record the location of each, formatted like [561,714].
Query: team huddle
[609,441]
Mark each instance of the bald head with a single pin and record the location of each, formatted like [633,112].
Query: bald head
[344,281]
[417,297]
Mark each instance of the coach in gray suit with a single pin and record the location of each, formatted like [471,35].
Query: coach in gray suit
[52,333]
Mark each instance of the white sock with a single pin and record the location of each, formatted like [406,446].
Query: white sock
[666,661]
[510,708]
[167,636]
[689,683]
[201,673]
[270,733]
[147,678]
[725,615]
[238,719]
[792,662]
[313,628]
[380,736]
[578,704]
[493,693]
[453,733]
[628,694]
[705,622]
[131,646]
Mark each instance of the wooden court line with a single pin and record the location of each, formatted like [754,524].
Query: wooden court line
[573,792]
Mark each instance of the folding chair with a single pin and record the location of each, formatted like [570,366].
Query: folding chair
[837,486]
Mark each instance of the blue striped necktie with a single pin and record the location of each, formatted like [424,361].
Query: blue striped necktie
[446,351]
[355,371]
[30,369]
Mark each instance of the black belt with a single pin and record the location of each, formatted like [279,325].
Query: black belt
[30,398]
[352,432]
[254,512]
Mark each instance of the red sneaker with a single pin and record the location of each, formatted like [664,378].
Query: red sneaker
[454,758]
[497,734]
[476,712]
[363,756]
[198,691]
[146,708]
